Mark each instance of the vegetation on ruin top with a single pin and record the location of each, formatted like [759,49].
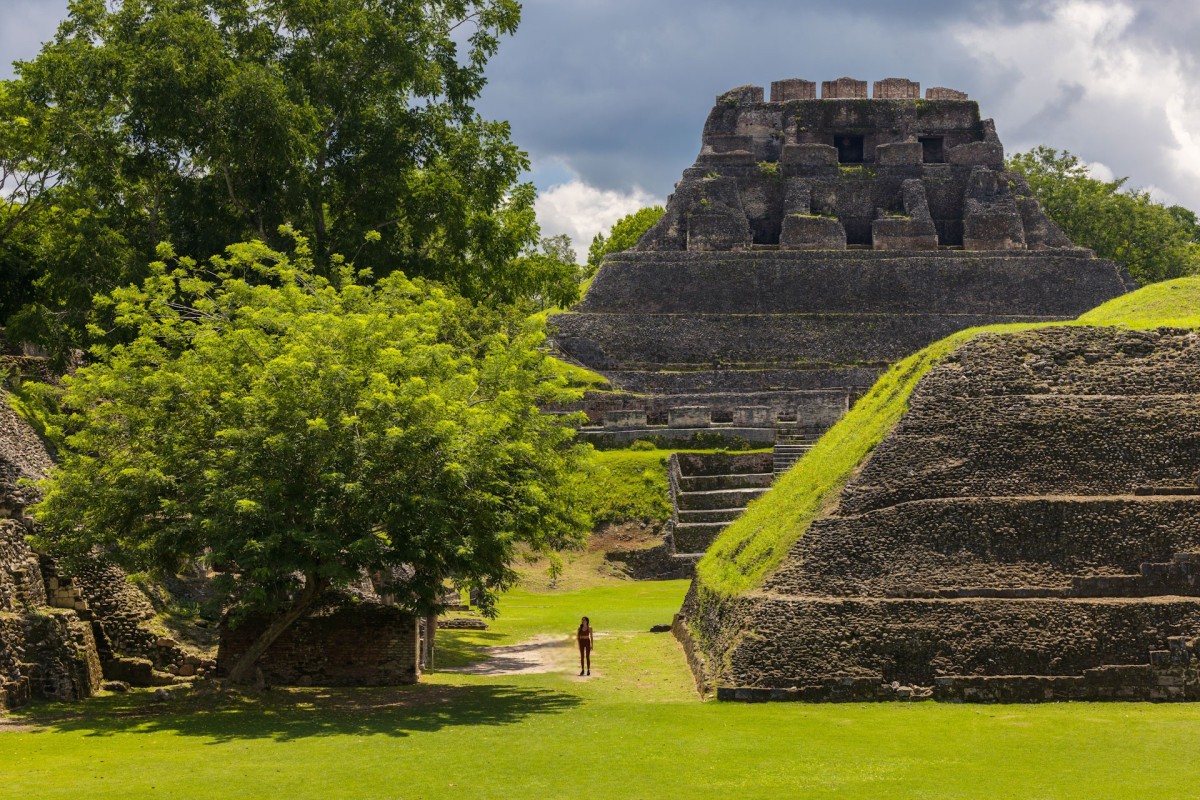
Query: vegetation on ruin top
[757,542]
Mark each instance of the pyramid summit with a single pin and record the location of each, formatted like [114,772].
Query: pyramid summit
[813,243]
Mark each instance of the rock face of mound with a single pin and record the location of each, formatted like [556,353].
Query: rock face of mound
[812,243]
[1030,530]
[45,652]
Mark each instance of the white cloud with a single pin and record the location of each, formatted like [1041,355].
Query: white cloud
[581,211]
[1135,106]
[1100,171]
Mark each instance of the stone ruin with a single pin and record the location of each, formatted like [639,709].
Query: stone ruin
[812,243]
[1030,530]
[64,632]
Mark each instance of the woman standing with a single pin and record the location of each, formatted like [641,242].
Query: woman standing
[584,637]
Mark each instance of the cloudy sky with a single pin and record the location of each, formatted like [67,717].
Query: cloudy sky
[608,96]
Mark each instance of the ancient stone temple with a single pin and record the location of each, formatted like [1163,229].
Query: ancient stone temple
[1030,530]
[813,242]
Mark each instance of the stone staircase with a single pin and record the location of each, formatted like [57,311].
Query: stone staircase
[710,491]
[790,448]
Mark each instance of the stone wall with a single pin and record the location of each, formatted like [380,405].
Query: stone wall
[341,644]
[802,641]
[1058,285]
[47,654]
[21,583]
[57,627]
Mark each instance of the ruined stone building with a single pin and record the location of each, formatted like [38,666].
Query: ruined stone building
[813,242]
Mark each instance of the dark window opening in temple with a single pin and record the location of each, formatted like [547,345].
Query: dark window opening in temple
[850,148]
[858,232]
[932,149]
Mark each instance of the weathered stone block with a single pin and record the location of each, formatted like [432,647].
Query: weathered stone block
[942,93]
[793,89]
[898,154]
[741,95]
[717,228]
[802,232]
[689,417]
[754,416]
[809,155]
[134,671]
[632,418]
[844,89]
[896,89]
[903,233]
[982,154]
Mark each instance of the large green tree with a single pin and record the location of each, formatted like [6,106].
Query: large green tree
[299,428]
[206,122]
[623,235]
[1153,241]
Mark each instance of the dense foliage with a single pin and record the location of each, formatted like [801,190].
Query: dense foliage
[298,431]
[1153,241]
[623,235]
[207,122]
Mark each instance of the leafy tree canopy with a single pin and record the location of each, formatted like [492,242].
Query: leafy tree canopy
[1154,242]
[623,235]
[207,122]
[298,430]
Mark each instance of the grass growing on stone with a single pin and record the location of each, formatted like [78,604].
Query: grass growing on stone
[755,544]
[624,485]
[620,485]
[578,377]
[1170,304]
[634,730]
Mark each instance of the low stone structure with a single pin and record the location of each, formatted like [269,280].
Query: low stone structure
[812,243]
[344,642]
[1030,530]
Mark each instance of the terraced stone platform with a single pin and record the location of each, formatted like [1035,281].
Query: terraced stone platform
[1030,530]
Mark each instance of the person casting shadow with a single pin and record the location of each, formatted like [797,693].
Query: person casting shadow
[584,637]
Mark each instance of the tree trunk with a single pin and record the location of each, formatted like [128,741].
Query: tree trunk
[243,670]
[430,633]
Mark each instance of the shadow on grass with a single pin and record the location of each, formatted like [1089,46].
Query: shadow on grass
[459,648]
[283,714]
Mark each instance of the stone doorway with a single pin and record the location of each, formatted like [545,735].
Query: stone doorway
[849,147]
[932,149]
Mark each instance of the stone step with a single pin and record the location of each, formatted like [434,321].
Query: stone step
[695,537]
[715,500]
[745,480]
[711,515]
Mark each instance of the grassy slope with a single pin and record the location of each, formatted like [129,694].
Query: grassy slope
[621,485]
[753,546]
[578,377]
[635,730]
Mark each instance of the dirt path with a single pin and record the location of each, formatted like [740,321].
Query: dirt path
[543,653]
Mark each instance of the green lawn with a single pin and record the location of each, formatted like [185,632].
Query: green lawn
[635,729]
